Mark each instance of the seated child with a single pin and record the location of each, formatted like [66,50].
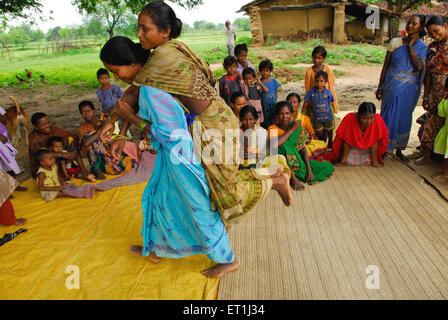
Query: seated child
[228,84]
[268,99]
[66,168]
[319,54]
[361,138]
[237,102]
[318,102]
[253,139]
[315,148]
[241,51]
[42,132]
[290,139]
[49,183]
[441,141]
[252,88]
[108,94]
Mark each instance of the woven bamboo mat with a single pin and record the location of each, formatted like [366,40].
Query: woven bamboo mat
[321,246]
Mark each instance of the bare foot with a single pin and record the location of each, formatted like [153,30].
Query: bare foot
[220,269]
[137,250]
[281,185]
[378,165]
[421,161]
[340,164]
[20,222]
[440,176]
[19,188]
[295,184]
[90,177]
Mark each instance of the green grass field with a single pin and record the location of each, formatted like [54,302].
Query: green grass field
[78,67]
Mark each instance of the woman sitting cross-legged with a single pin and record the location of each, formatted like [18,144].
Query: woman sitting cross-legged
[291,143]
[361,139]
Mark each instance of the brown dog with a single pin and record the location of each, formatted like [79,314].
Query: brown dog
[14,115]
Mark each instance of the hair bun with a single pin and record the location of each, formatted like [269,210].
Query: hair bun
[176,28]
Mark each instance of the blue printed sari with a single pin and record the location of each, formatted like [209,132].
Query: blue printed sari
[401,90]
[177,218]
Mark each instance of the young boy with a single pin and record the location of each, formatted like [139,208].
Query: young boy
[237,102]
[268,99]
[108,94]
[241,51]
[228,84]
[319,54]
[42,132]
[318,100]
[49,183]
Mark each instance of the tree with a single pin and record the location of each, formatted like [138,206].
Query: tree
[242,24]
[199,25]
[135,6]
[110,13]
[10,9]
[210,26]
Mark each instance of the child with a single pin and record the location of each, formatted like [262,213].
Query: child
[228,84]
[252,88]
[66,168]
[291,139]
[318,102]
[319,54]
[253,139]
[315,148]
[43,131]
[268,99]
[49,182]
[441,141]
[108,94]
[241,51]
[237,102]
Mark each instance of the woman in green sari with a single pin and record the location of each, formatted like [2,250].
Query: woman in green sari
[291,143]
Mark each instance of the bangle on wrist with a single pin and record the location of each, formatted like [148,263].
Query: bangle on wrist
[141,126]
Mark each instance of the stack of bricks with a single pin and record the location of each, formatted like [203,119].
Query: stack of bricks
[256,27]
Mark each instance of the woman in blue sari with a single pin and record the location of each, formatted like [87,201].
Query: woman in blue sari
[177,218]
[400,85]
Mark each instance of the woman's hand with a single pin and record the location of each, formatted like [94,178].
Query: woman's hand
[116,148]
[122,108]
[379,93]
[412,38]
[296,125]
[106,131]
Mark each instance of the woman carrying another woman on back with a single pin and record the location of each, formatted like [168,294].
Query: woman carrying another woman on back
[400,84]
[174,68]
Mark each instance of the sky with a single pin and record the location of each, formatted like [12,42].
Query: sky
[216,11]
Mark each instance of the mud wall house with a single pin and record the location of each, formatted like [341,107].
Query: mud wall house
[298,20]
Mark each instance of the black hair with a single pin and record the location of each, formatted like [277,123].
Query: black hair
[36,117]
[122,51]
[53,140]
[293,94]
[164,17]
[366,107]
[422,18]
[437,20]
[319,50]
[40,154]
[101,71]
[321,74]
[86,103]
[242,47]
[238,94]
[228,61]
[266,64]
[250,71]
[279,105]
[248,109]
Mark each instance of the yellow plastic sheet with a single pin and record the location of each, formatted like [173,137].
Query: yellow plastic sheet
[92,236]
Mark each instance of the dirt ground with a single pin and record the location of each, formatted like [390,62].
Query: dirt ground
[357,84]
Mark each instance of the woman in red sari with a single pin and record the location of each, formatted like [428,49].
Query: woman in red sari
[7,185]
[361,138]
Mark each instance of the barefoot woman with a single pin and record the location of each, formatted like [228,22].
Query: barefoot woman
[177,219]
[175,68]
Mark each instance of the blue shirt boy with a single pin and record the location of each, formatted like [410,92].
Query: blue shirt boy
[108,98]
[321,104]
